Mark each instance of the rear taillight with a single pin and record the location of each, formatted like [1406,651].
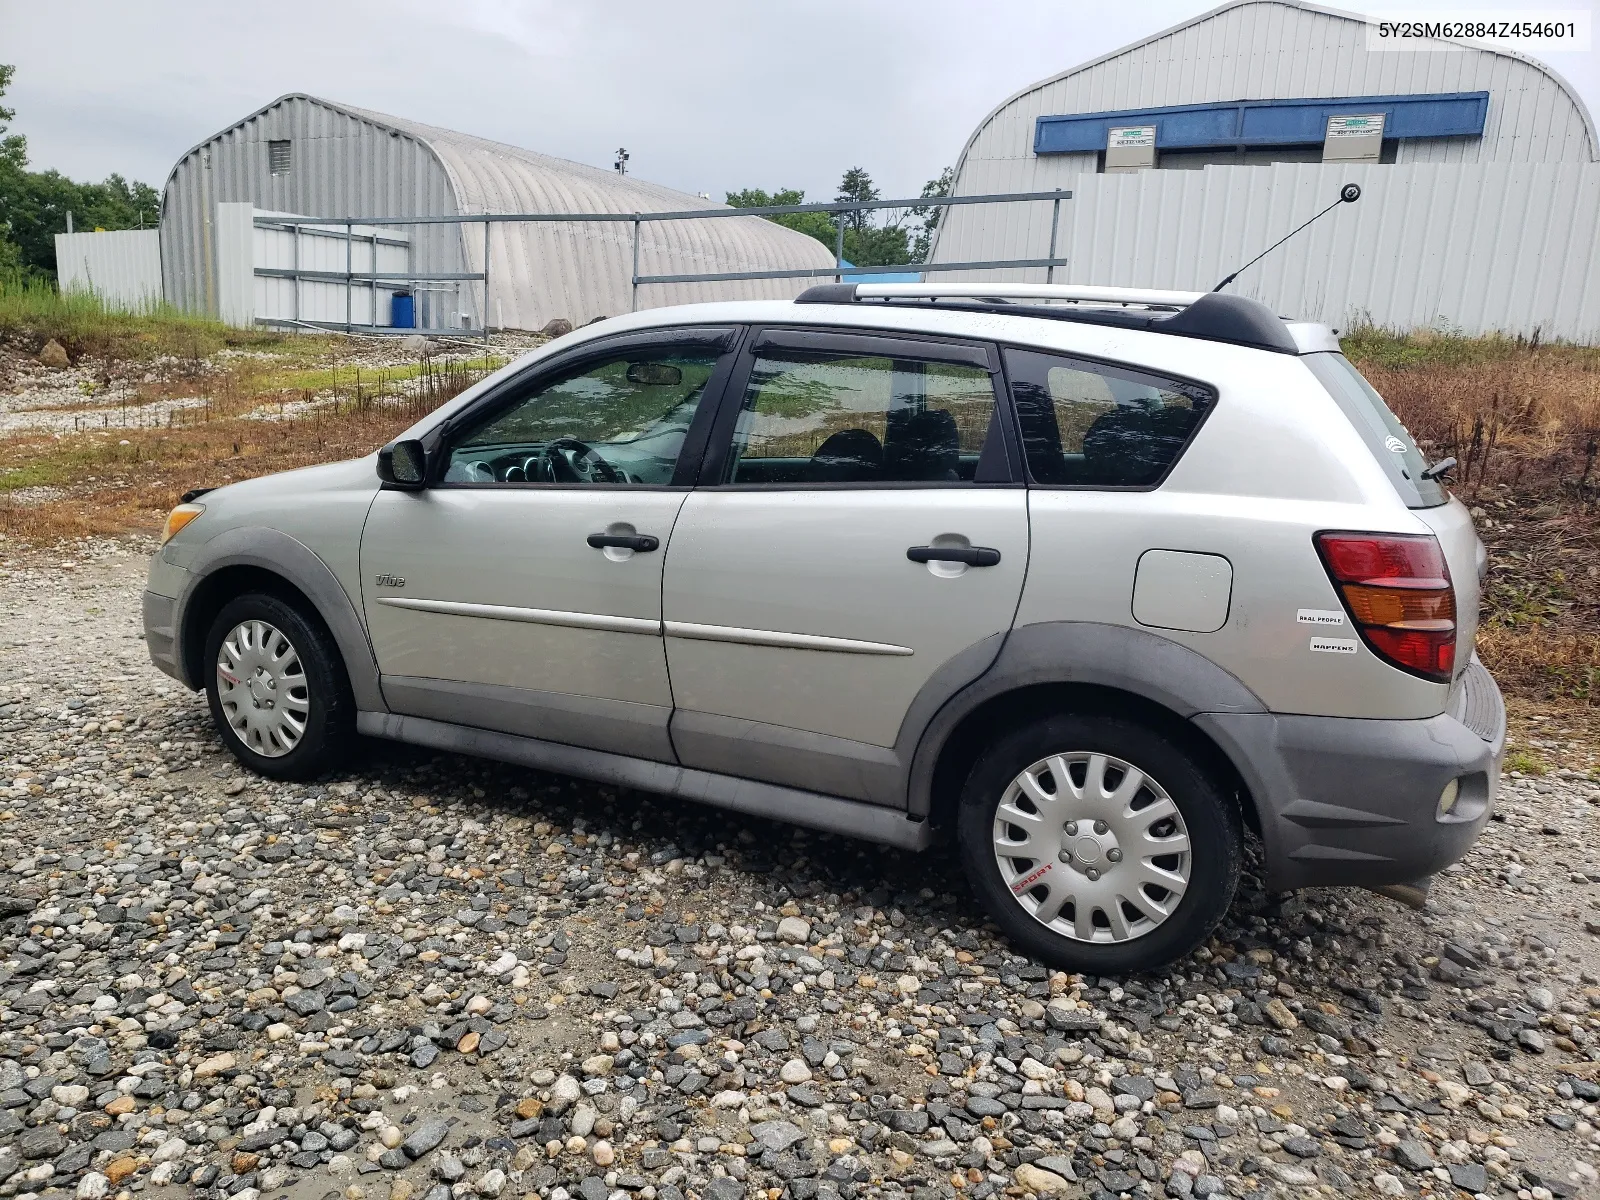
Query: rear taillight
[1396,588]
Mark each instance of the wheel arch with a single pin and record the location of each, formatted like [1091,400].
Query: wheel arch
[270,561]
[1072,666]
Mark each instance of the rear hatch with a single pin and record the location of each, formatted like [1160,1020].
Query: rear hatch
[1394,450]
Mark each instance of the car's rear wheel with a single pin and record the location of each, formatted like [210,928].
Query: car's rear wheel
[1097,844]
[277,688]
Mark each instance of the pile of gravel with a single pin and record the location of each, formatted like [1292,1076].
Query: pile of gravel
[433,977]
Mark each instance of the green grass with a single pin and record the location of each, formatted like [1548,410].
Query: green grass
[1428,348]
[61,464]
[36,312]
[1528,764]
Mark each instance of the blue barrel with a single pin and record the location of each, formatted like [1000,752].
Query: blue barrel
[402,311]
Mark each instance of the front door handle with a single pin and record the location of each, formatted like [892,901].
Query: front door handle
[973,556]
[625,541]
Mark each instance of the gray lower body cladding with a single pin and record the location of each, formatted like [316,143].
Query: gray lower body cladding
[871,822]
[161,635]
[1348,802]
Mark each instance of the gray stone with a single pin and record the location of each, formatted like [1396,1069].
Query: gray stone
[426,1136]
[776,1135]
[42,1141]
[1413,1155]
[1469,1177]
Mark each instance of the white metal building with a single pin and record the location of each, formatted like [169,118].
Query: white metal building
[1481,208]
[305,155]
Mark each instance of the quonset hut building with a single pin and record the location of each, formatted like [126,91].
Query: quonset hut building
[1189,152]
[314,157]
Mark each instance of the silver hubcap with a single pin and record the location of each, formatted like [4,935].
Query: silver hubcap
[1092,847]
[262,686]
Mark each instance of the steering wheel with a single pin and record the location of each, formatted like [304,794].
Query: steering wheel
[585,465]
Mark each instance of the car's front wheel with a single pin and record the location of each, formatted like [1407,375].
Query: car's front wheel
[1099,845]
[277,688]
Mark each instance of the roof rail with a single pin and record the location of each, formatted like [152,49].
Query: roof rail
[1211,316]
[846,293]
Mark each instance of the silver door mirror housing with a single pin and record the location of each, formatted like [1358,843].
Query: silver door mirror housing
[403,464]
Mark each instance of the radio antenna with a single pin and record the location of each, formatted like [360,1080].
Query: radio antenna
[1348,194]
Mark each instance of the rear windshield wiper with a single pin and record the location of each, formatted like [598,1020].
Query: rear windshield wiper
[1439,469]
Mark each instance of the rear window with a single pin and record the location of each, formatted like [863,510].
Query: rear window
[1086,424]
[1388,440]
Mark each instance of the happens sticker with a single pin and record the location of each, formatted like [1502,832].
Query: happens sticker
[1320,616]
[1335,645]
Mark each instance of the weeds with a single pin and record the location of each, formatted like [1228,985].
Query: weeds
[1526,763]
[1522,419]
[34,312]
[1508,410]
[234,404]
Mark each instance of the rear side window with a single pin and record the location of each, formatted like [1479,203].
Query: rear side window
[851,418]
[1388,440]
[1086,424]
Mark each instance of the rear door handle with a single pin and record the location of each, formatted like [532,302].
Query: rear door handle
[973,556]
[626,541]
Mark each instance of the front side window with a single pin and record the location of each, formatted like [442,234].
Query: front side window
[813,418]
[1090,425]
[619,421]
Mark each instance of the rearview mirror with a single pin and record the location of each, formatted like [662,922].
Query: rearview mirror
[655,374]
[403,465]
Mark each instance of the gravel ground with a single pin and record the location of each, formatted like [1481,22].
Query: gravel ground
[432,977]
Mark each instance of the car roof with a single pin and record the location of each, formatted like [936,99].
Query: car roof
[1012,312]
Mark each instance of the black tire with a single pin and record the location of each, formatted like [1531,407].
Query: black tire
[1212,821]
[329,731]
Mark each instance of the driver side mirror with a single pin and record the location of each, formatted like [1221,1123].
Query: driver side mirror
[403,465]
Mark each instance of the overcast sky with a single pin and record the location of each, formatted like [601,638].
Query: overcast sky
[707,95]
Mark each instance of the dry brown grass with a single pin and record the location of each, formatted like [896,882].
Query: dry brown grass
[125,479]
[1542,664]
[1524,422]
[1509,411]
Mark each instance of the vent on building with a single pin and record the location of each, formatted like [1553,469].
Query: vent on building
[278,157]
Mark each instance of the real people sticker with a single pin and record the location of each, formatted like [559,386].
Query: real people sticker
[1320,616]
[1335,645]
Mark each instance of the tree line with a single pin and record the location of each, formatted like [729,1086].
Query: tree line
[872,237]
[34,204]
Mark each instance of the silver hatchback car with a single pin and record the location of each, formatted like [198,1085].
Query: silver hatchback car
[1091,580]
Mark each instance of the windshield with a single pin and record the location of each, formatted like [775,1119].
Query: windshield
[1388,440]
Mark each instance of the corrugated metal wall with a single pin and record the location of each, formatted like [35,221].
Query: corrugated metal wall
[1497,232]
[121,266]
[341,165]
[1273,50]
[1479,248]
[350,162]
[582,271]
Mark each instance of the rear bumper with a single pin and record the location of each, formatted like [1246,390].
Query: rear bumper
[1355,802]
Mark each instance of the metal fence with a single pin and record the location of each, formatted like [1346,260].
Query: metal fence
[370,282]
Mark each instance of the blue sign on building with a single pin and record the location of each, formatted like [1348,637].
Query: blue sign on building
[1267,122]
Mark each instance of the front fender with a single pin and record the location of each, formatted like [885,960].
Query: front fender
[292,560]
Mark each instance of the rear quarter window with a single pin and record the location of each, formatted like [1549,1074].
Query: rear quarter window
[1088,424]
[1379,428]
